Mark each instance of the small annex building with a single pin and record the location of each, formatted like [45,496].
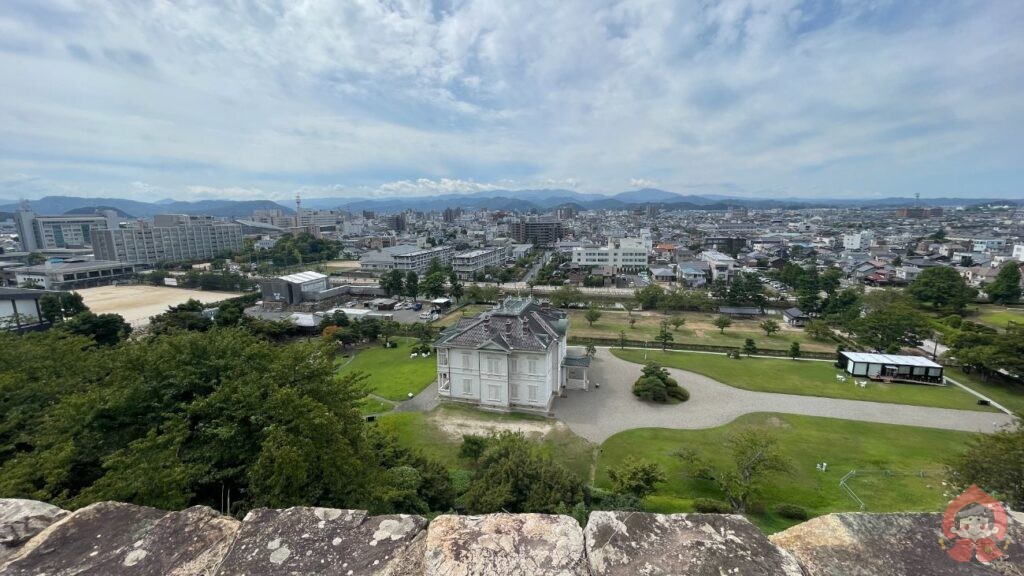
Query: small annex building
[891,368]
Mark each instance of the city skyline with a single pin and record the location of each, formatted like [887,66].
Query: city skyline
[359,100]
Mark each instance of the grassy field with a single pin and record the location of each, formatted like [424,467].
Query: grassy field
[1006,393]
[391,372]
[438,434]
[806,378]
[374,406]
[468,311]
[997,316]
[845,445]
[697,330]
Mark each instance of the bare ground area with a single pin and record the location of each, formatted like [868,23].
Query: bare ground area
[137,303]
[457,425]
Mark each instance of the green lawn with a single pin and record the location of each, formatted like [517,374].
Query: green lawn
[1003,391]
[998,316]
[370,405]
[846,445]
[391,373]
[697,330]
[807,378]
[421,431]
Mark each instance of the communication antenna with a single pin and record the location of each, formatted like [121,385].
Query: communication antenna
[917,199]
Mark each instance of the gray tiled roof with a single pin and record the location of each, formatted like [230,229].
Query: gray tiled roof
[518,324]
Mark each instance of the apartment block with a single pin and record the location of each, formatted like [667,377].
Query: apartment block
[170,238]
[467,264]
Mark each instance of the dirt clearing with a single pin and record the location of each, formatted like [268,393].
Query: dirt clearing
[137,303]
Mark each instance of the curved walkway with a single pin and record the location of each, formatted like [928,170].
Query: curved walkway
[612,408]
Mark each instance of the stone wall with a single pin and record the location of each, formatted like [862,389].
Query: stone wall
[112,539]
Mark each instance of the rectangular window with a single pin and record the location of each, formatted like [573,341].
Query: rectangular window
[513,366]
[493,393]
[533,367]
[532,393]
[442,357]
[467,386]
[513,391]
[465,360]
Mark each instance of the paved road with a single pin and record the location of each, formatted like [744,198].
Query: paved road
[612,408]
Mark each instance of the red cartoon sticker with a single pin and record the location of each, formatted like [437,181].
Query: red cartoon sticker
[974,526]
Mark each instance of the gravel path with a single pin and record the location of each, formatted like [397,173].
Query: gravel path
[612,408]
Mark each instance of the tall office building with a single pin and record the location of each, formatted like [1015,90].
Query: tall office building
[50,232]
[170,238]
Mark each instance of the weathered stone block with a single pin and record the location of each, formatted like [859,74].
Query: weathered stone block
[859,544]
[21,519]
[506,544]
[299,541]
[111,539]
[635,544]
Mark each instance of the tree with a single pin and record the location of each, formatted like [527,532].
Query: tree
[794,350]
[61,306]
[942,287]
[890,328]
[591,351]
[649,296]
[995,463]
[1005,289]
[664,336]
[636,477]
[433,285]
[769,326]
[455,288]
[622,338]
[592,315]
[412,285]
[818,329]
[755,456]
[514,475]
[187,316]
[749,347]
[676,322]
[104,329]
[566,296]
[631,322]
[388,328]
[722,322]
[392,282]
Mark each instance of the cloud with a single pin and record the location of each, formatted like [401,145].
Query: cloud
[642,183]
[418,97]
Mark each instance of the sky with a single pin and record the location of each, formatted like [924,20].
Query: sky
[262,98]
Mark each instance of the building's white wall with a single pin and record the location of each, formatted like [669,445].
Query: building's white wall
[515,375]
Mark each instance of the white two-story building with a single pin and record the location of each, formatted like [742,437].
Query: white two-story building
[510,358]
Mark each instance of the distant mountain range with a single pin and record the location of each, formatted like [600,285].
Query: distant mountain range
[541,200]
[510,200]
[54,205]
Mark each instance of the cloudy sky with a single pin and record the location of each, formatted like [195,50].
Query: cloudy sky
[257,99]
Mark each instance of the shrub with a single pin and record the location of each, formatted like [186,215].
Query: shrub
[679,393]
[711,506]
[953,321]
[656,385]
[792,512]
[756,507]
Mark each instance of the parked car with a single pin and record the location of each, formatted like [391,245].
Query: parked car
[417,306]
